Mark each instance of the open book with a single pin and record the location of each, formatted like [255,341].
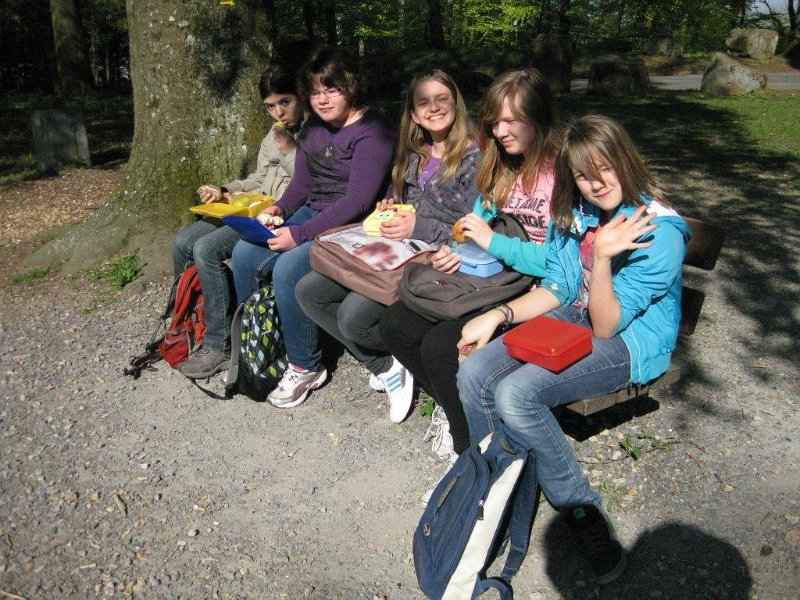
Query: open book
[379,253]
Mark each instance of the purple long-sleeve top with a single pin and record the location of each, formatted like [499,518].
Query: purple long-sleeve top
[341,172]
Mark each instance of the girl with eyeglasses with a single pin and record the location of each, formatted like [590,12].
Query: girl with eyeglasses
[344,154]
[208,244]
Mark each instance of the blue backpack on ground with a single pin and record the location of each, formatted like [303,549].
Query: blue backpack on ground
[484,505]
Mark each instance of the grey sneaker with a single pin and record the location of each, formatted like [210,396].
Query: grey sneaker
[439,434]
[206,363]
[295,385]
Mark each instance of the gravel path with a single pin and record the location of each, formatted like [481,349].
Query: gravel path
[111,487]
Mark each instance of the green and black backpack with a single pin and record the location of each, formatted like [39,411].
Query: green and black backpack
[258,355]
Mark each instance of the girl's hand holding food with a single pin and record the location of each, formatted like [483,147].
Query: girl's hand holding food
[478,331]
[476,229]
[209,193]
[283,139]
[400,227]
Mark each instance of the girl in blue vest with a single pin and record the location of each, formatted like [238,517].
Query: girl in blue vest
[614,268]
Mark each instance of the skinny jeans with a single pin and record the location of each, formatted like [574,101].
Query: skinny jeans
[208,245]
[503,394]
[429,351]
[253,263]
[348,317]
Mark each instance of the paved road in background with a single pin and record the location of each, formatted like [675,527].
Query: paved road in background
[775,81]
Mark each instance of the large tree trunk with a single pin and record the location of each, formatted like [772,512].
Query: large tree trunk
[794,29]
[436,26]
[74,75]
[330,22]
[198,119]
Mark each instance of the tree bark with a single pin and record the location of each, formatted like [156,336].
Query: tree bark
[72,64]
[309,19]
[794,29]
[197,119]
[564,17]
[330,22]
[436,26]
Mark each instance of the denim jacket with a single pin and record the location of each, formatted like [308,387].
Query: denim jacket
[646,281]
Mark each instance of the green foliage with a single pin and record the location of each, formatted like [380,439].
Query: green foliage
[31,275]
[121,271]
[426,404]
[638,445]
[614,496]
[634,450]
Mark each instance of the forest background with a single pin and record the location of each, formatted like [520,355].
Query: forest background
[170,85]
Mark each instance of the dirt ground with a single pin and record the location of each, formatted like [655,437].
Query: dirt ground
[148,488]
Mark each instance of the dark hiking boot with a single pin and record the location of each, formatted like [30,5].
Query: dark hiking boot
[205,363]
[597,542]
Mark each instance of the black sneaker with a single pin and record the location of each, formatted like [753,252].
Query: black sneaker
[205,363]
[597,542]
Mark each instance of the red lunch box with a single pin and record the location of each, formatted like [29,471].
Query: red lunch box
[549,343]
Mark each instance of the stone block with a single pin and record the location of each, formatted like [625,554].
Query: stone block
[728,77]
[59,139]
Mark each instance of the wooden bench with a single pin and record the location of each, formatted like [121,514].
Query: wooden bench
[701,253]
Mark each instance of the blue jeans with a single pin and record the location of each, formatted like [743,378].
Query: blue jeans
[253,263]
[500,393]
[208,244]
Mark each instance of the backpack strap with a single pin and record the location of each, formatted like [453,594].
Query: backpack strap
[502,587]
[523,512]
[236,343]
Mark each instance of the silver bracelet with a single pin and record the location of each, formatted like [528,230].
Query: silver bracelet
[508,313]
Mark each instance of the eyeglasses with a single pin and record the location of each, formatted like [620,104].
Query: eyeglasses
[327,92]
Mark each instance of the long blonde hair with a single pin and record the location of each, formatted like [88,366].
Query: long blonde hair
[415,140]
[592,140]
[530,101]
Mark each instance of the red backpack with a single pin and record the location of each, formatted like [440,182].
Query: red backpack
[184,320]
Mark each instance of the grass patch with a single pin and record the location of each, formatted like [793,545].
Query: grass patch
[30,276]
[121,271]
[426,404]
[770,119]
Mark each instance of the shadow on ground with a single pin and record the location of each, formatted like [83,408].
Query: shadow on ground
[675,560]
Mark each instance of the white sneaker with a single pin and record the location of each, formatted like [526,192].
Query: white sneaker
[399,385]
[375,383]
[427,495]
[439,432]
[295,385]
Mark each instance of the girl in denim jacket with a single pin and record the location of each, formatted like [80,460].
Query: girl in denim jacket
[614,268]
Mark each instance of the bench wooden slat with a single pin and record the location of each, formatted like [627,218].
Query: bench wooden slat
[589,406]
[702,252]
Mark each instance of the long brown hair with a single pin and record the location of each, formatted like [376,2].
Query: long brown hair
[589,142]
[414,139]
[530,101]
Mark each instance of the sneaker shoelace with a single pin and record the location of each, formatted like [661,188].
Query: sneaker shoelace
[290,378]
[435,428]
